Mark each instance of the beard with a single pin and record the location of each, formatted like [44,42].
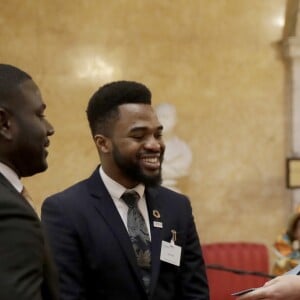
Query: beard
[28,160]
[134,171]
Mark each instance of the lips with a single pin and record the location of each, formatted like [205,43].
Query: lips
[47,143]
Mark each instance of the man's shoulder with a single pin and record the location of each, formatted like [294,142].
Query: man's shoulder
[72,191]
[165,190]
[167,194]
[77,189]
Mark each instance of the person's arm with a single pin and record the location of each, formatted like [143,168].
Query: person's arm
[21,251]
[286,287]
[194,283]
[65,249]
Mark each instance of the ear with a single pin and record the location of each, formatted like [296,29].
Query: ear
[103,143]
[5,124]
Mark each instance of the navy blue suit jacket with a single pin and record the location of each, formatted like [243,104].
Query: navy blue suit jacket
[94,254]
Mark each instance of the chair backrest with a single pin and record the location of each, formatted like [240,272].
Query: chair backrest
[243,256]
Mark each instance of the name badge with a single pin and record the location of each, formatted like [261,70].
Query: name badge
[170,253]
[157,224]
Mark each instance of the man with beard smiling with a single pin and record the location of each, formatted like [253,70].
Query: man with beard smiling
[119,234]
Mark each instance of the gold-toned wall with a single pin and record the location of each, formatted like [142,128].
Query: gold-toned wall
[218,62]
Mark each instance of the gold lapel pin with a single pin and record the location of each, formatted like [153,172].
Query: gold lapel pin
[156,213]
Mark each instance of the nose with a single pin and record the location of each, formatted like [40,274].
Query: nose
[50,129]
[154,144]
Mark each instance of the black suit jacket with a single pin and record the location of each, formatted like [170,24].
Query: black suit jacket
[95,256]
[26,269]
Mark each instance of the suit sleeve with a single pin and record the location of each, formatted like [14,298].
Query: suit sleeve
[21,251]
[66,250]
[194,285]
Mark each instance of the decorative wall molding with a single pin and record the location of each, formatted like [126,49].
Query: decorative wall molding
[291,50]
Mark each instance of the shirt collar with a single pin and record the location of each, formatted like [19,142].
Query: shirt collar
[11,176]
[115,189]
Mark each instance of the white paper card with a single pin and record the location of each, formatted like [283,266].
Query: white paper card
[157,224]
[170,253]
[294,271]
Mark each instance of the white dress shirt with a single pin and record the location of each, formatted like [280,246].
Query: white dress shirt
[11,176]
[116,190]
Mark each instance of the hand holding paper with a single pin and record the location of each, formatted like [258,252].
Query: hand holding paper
[286,287]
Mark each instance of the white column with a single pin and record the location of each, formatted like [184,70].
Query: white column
[292,52]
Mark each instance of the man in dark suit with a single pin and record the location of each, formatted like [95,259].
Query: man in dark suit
[119,234]
[26,269]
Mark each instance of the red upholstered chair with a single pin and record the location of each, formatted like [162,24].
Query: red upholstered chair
[248,257]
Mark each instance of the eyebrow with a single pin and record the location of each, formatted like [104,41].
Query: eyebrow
[134,129]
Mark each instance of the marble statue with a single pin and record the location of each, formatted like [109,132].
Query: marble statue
[178,156]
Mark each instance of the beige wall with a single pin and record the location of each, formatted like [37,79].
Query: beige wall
[217,61]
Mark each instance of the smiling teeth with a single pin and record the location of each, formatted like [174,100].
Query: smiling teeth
[151,160]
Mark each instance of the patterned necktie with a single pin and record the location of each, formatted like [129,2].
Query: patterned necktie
[139,235]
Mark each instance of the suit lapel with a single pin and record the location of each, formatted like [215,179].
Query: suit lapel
[18,196]
[7,184]
[155,215]
[103,203]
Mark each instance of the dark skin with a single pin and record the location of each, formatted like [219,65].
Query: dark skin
[24,131]
[134,146]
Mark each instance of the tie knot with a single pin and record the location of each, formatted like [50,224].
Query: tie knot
[25,194]
[131,198]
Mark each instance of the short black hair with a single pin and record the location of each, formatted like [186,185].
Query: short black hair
[103,106]
[10,79]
